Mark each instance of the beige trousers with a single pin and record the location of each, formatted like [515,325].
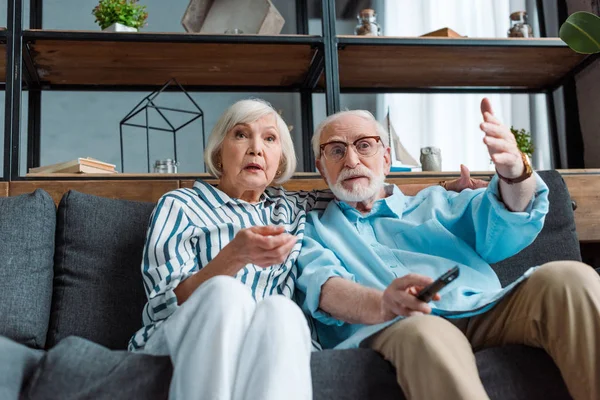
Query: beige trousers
[557,309]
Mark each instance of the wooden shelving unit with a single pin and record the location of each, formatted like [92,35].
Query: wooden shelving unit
[76,58]
[333,64]
[392,64]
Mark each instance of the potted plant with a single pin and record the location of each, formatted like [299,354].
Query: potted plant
[120,15]
[523,141]
[581,32]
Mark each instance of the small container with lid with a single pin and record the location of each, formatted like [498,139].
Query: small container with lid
[519,26]
[367,23]
[166,166]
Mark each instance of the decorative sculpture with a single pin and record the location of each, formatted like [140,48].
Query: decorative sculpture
[431,159]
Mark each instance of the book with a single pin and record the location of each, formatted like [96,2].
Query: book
[79,165]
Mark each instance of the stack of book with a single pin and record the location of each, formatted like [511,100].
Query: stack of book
[85,165]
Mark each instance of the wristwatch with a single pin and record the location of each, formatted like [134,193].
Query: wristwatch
[527,172]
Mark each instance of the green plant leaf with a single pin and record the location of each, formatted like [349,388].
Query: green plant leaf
[581,32]
[126,12]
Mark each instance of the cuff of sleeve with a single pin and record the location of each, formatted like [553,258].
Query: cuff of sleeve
[313,294]
[165,304]
[536,209]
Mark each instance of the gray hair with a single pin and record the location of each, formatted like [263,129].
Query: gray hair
[244,112]
[379,129]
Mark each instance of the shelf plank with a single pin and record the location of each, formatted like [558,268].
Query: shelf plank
[414,63]
[147,59]
[142,190]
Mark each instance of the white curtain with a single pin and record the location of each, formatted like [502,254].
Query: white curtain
[450,121]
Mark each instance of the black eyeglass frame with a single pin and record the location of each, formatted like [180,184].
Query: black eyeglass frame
[322,146]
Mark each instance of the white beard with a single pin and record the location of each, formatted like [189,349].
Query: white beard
[358,193]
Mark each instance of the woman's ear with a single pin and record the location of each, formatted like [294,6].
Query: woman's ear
[217,162]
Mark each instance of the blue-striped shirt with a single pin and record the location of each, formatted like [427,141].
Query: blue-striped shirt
[189,227]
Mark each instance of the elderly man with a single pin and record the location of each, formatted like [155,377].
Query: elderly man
[369,253]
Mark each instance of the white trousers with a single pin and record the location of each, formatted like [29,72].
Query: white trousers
[226,346]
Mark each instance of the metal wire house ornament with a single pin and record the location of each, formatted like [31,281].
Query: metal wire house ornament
[147,105]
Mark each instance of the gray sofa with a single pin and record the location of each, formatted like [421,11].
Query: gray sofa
[71,284]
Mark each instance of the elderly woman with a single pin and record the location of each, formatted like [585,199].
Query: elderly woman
[219,268]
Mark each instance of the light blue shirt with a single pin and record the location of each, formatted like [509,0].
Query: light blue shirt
[426,234]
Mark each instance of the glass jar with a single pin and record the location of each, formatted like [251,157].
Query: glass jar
[166,166]
[367,24]
[519,26]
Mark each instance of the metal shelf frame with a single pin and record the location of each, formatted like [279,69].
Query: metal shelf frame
[323,74]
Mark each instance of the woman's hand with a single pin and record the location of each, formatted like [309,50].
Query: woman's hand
[501,144]
[399,298]
[262,245]
[464,182]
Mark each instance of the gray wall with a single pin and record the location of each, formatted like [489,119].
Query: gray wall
[588,87]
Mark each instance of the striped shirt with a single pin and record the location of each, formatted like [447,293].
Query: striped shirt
[189,227]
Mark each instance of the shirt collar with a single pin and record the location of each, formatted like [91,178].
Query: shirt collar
[216,198]
[390,206]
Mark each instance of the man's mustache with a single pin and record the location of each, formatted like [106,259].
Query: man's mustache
[347,173]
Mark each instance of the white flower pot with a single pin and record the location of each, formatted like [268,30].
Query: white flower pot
[117,27]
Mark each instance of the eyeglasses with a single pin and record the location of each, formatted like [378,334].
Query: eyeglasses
[365,146]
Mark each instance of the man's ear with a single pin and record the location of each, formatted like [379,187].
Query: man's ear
[387,161]
[319,167]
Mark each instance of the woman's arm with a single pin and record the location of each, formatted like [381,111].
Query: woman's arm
[260,245]
[225,263]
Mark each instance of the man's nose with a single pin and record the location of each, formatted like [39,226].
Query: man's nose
[352,159]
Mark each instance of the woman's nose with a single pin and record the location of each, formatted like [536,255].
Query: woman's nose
[255,148]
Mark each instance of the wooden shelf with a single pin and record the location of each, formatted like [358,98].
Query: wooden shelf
[79,58]
[391,63]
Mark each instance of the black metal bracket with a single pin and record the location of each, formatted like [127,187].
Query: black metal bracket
[332,78]
[317,66]
[14,75]
[32,77]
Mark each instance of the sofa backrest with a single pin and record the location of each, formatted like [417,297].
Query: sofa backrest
[27,224]
[98,291]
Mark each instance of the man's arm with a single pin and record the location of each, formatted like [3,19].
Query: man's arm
[351,302]
[517,197]
[505,154]
[356,304]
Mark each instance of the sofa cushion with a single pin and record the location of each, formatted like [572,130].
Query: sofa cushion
[27,224]
[508,373]
[79,369]
[98,292]
[557,240]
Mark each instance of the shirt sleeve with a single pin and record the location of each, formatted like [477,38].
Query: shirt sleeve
[169,255]
[481,219]
[316,265]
